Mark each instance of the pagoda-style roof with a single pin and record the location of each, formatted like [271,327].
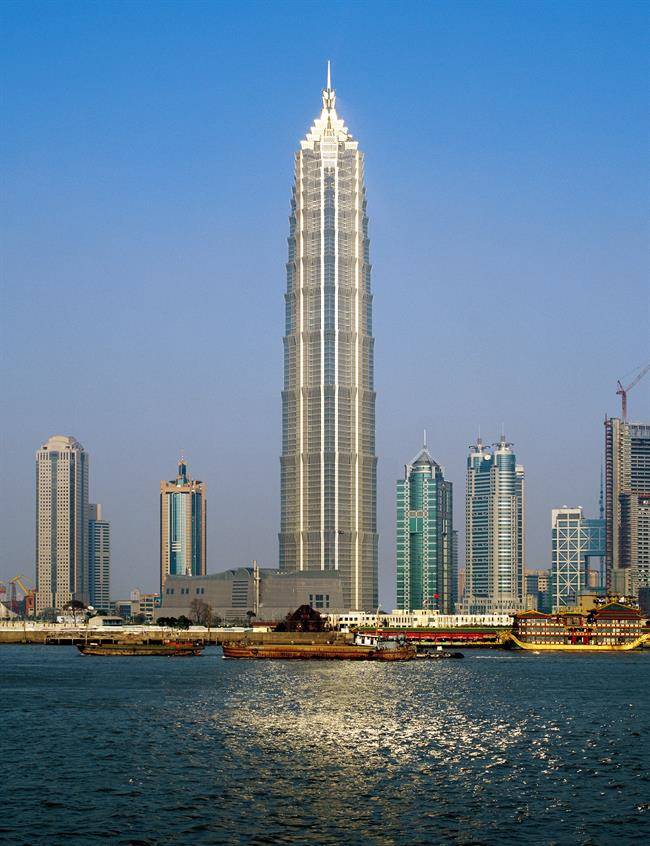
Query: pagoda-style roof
[616,609]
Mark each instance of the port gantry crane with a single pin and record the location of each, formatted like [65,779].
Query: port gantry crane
[623,392]
[28,593]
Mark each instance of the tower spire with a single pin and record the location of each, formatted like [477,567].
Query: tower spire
[329,95]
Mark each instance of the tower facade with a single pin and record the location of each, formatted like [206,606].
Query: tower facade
[61,523]
[425,542]
[182,526]
[627,505]
[495,530]
[575,541]
[328,463]
[99,558]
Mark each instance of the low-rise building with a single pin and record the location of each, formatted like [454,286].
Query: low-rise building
[138,604]
[416,619]
[252,591]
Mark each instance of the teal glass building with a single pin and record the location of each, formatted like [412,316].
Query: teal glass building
[182,526]
[426,576]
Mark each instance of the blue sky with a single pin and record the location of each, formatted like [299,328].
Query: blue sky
[147,151]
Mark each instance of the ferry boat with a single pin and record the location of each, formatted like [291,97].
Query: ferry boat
[181,648]
[611,628]
[388,651]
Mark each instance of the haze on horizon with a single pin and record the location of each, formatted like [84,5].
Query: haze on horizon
[148,153]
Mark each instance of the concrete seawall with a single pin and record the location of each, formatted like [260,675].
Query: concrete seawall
[66,635]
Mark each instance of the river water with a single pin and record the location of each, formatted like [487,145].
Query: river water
[501,748]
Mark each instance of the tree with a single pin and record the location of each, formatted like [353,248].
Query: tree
[183,622]
[75,605]
[139,619]
[200,612]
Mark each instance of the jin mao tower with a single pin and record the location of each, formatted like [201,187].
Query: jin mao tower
[328,463]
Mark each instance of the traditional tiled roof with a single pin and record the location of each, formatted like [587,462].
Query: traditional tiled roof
[616,609]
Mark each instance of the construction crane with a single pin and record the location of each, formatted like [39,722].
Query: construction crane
[623,392]
[28,593]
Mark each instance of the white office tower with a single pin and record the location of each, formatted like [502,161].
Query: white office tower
[61,523]
[328,464]
[495,530]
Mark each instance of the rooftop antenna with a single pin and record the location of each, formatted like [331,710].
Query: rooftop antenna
[425,438]
[329,75]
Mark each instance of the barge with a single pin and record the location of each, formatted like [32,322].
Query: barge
[319,651]
[167,648]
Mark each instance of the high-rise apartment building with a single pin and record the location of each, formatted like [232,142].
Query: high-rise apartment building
[182,526]
[627,505]
[61,523]
[576,540]
[99,558]
[426,576]
[328,463]
[495,530]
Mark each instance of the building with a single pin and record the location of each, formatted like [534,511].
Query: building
[61,523]
[537,589]
[182,526]
[460,581]
[147,604]
[426,577]
[99,558]
[328,463]
[420,619]
[576,540]
[495,531]
[627,505]
[267,594]
[138,605]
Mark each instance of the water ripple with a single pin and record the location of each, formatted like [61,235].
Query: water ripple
[497,749]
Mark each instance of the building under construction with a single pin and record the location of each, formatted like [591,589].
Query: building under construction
[627,499]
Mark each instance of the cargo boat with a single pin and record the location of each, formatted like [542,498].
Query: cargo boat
[319,651]
[168,648]
[614,627]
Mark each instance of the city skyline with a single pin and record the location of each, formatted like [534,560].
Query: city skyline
[425,278]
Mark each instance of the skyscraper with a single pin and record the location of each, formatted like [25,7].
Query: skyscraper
[99,558]
[627,505]
[575,541]
[182,526]
[328,463]
[61,523]
[495,530]
[426,576]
